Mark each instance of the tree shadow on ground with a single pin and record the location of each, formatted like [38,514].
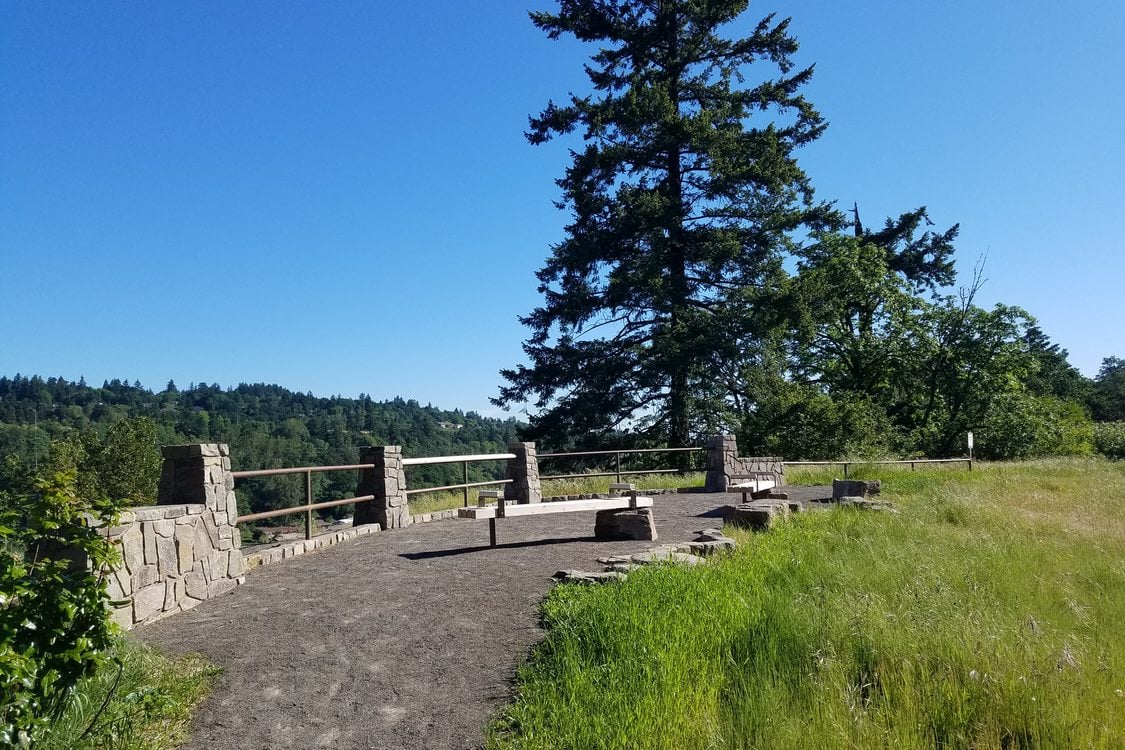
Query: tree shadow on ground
[484,547]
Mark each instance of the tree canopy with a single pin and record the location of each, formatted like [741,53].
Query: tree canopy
[683,202]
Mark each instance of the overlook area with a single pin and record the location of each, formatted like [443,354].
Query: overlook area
[646,374]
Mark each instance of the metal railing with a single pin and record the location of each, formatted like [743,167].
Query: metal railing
[309,505]
[464,461]
[618,472]
[912,462]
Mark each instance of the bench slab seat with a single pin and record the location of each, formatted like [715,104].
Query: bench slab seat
[561,506]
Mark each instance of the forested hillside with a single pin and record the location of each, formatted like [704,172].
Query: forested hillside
[58,424]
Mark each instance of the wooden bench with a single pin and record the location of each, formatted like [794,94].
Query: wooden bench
[511,510]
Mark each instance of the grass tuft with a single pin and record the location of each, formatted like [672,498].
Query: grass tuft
[143,702]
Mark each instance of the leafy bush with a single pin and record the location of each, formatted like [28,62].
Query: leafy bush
[1109,439]
[1020,426]
[54,626]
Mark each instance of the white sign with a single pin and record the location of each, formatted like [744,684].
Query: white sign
[970,441]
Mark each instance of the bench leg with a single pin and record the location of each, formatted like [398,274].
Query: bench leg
[492,532]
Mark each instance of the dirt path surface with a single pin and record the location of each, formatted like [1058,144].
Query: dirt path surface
[403,639]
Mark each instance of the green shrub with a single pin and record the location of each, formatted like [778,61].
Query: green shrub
[54,626]
[1109,439]
[1021,426]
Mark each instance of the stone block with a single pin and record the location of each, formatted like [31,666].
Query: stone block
[133,548]
[758,516]
[145,576]
[185,536]
[221,586]
[201,540]
[187,602]
[170,594]
[167,560]
[149,513]
[842,488]
[148,532]
[164,528]
[234,564]
[148,602]
[626,523]
[195,585]
[123,616]
[587,578]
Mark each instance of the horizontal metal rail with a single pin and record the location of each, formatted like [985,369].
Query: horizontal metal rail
[297,470]
[457,459]
[623,473]
[463,486]
[302,508]
[624,450]
[464,461]
[617,454]
[848,464]
[309,505]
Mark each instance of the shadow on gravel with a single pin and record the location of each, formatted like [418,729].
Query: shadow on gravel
[485,547]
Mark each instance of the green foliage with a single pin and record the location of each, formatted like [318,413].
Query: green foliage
[921,629]
[1107,401]
[138,700]
[1109,439]
[54,628]
[110,435]
[1020,426]
[684,198]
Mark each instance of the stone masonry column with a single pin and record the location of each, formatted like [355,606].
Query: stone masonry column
[201,473]
[722,461]
[387,482]
[523,470]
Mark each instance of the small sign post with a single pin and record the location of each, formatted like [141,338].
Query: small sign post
[970,441]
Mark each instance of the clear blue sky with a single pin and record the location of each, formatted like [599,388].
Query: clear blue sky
[338,197]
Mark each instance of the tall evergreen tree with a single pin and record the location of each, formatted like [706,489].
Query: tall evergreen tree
[684,201]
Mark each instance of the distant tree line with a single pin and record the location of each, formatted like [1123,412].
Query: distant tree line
[111,436]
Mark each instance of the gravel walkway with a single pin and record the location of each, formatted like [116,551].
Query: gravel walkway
[403,639]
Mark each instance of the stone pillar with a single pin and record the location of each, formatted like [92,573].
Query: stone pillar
[387,482]
[722,456]
[201,474]
[523,470]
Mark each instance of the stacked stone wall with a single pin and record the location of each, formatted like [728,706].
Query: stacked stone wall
[185,549]
[523,470]
[173,558]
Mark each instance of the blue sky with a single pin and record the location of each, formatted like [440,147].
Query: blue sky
[338,197]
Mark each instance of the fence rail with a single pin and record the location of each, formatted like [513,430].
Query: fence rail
[464,461]
[912,462]
[618,472]
[309,505]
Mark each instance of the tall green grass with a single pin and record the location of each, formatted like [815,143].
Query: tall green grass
[989,612]
[143,702]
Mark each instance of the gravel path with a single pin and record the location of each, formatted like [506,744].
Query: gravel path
[403,639]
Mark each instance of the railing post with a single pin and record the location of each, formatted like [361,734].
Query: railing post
[465,465]
[523,470]
[308,505]
[617,456]
[386,480]
[845,470]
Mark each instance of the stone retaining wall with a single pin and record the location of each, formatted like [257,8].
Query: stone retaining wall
[173,558]
[186,548]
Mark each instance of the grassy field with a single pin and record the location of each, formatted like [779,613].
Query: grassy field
[145,704]
[988,613]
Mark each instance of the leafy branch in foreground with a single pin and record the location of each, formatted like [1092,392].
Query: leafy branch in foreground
[54,626]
